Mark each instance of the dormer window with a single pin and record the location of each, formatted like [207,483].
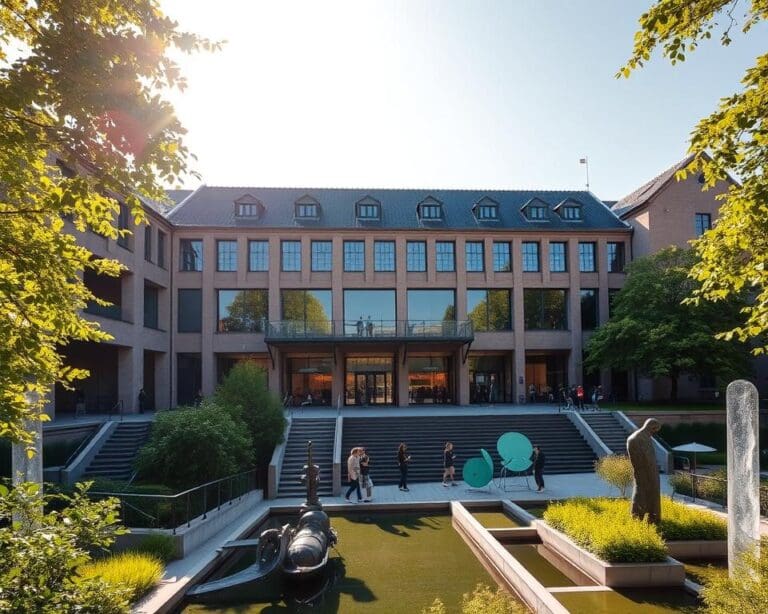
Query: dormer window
[247,210]
[571,213]
[248,207]
[368,209]
[486,210]
[536,210]
[307,208]
[430,210]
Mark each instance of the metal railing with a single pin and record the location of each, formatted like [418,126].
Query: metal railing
[141,511]
[712,488]
[290,330]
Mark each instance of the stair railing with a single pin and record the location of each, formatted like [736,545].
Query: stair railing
[119,406]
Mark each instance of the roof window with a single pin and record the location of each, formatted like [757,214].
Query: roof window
[306,208]
[536,210]
[430,210]
[248,207]
[486,210]
[368,209]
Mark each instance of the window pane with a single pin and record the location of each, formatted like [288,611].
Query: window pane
[489,310]
[242,310]
[444,256]
[191,254]
[545,309]
[703,223]
[615,257]
[557,259]
[161,249]
[384,255]
[589,307]
[354,256]
[150,306]
[530,256]
[587,257]
[431,305]
[322,255]
[148,243]
[312,308]
[258,255]
[190,310]
[291,255]
[226,257]
[372,310]
[416,256]
[475,252]
[502,256]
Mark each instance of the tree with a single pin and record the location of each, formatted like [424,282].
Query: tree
[617,471]
[84,124]
[734,254]
[653,330]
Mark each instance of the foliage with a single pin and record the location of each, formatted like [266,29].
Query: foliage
[746,591]
[710,488]
[84,81]
[41,551]
[681,522]
[245,394]
[652,329]
[138,572]
[162,547]
[482,600]
[195,445]
[617,471]
[734,254]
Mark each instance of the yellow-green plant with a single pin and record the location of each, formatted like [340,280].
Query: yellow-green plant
[134,571]
[745,591]
[681,522]
[617,471]
[482,600]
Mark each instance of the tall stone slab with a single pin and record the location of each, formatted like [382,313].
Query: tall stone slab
[743,470]
[23,467]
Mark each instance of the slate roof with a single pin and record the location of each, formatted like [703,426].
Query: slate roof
[211,206]
[178,195]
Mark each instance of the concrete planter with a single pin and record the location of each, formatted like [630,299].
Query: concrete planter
[698,549]
[668,573]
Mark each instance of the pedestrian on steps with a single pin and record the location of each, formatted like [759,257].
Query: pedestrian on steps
[353,473]
[538,459]
[365,475]
[449,457]
[403,459]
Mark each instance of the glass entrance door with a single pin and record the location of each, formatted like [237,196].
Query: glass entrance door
[369,380]
[484,387]
[373,388]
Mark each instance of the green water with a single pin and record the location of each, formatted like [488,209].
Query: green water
[495,520]
[701,571]
[389,563]
[539,567]
[630,601]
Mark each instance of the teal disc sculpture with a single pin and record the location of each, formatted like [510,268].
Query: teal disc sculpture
[514,446]
[517,464]
[476,472]
[487,458]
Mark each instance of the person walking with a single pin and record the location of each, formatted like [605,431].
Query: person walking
[142,400]
[365,475]
[538,459]
[353,473]
[360,326]
[449,457]
[403,458]
[580,396]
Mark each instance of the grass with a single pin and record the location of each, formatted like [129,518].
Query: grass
[134,571]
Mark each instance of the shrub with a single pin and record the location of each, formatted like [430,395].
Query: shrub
[680,522]
[746,591]
[617,471]
[605,528]
[244,392]
[162,547]
[713,487]
[195,445]
[134,571]
[483,600]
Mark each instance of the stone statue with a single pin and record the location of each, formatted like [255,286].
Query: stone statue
[646,497]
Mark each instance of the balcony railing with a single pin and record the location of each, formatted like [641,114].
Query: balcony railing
[369,330]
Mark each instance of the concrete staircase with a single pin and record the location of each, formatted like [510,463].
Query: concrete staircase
[115,459]
[565,448]
[321,432]
[608,428]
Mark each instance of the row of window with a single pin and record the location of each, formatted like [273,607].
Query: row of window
[416,256]
[369,310]
[148,251]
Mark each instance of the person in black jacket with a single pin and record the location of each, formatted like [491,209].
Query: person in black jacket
[449,457]
[403,458]
[538,459]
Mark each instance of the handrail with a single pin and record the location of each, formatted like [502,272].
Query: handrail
[183,492]
[369,329]
[86,440]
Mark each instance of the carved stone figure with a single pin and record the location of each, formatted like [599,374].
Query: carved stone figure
[311,479]
[646,497]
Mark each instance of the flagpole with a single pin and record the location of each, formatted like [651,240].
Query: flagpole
[585,162]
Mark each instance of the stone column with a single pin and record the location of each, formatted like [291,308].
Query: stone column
[743,470]
[24,468]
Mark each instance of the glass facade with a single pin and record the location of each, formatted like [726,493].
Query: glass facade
[489,310]
[322,255]
[545,309]
[589,309]
[369,313]
[290,255]
[615,257]
[587,258]
[445,257]
[258,255]
[226,255]
[369,380]
[416,256]
[487,379]
[557,257]
[475,256]
[242,311]
[430,380]
[502,256]
[431,306]
[191,257]
[354,256]
[308,380]
[545,374]
[190,310]
[384,256]
[308,310]
[531,256]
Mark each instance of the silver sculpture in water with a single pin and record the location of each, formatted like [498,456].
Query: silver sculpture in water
[646,496]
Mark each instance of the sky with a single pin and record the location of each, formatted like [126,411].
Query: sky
[484,94]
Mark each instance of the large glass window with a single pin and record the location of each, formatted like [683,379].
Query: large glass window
[191,254]
[557,257]
[703,223]
[354,256]
[530,256]
[369,381]
[190,310]
[487,379]
[475,252]
[161,249]
[310,310]
[383,256]
[148,243]
[615,257]
[502,256]
[489,309]
[258,255]
[226,255]
[589,307]
[430,308]
[242,311]
[309,380]
[416,252]
[151,302]
[545,309]
[369,313]
[587,258]
[322,255]
[444,256]
[291,255]
[429,380]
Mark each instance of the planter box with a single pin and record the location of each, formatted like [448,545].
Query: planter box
[698,549]
[667,573]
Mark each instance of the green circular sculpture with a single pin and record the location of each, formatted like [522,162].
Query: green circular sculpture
[487,458]
[517,464]
[477,473]
[514,446]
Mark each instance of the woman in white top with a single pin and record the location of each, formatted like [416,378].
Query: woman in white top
[353,473]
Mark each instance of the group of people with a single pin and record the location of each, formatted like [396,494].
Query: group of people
[364,327]
[359,470]
[572,397]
